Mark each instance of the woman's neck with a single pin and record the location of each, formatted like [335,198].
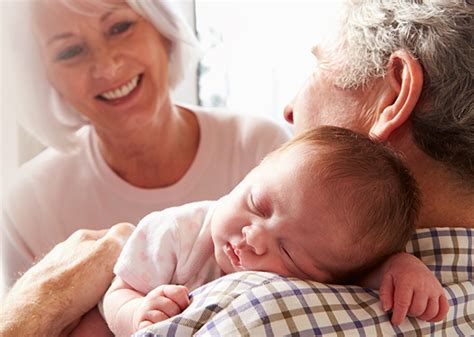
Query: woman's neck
[157,155]
[446,201]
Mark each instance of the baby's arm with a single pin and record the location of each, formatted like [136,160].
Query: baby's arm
[128,310]
[407,286]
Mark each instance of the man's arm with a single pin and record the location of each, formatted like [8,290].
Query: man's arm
[69,281]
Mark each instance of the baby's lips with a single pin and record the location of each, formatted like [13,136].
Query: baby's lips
[233,254]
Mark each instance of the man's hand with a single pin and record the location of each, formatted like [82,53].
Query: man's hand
[159,304]
[409,287]
[69,281]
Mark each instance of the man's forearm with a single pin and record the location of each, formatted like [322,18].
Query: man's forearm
[24,315]
[52,296]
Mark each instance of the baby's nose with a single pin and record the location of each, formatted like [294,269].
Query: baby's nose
[255,239]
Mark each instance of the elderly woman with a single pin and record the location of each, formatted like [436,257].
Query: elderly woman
[401,71]
[100,74]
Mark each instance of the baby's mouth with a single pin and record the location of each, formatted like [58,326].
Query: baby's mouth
[231,253]
[122,91]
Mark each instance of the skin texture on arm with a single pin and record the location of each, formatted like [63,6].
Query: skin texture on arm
[407,286]
[50,298]
[128,310]
[120,302]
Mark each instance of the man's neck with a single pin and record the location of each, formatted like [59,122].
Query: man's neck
[446,200]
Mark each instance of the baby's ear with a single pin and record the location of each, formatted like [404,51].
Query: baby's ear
[403,83]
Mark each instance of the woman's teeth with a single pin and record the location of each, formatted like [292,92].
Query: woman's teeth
[123,91]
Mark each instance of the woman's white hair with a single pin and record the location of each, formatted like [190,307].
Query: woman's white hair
[440,34]
[28,93]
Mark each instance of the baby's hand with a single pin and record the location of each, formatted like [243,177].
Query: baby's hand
[409,287]
[159,304]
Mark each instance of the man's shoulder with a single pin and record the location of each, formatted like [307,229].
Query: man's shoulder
[447,251]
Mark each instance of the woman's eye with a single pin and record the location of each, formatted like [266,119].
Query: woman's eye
[120,27]
[70,52]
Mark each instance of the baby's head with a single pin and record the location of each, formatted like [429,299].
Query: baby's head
[326,206]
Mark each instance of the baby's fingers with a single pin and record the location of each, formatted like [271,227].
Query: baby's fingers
[160,303]
[155,316]
[386,292]
[419,304]
[178,294]
[144,324]
[401,304]
[443,309]
[432,309]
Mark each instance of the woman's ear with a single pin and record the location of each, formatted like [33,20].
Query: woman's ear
[405,78]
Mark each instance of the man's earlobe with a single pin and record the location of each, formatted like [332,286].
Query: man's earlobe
[405,78]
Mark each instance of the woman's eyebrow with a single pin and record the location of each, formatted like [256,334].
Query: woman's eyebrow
[106,15]
[63,36]
[60,36]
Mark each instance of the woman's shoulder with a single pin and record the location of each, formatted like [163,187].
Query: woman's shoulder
[46,170]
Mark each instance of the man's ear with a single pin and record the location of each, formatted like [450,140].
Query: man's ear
[405,78]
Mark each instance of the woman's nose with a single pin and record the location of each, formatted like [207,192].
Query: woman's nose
[254,237]
[106,64]
[288,113]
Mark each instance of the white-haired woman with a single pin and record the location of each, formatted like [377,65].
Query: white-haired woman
[109,65]
[94,81]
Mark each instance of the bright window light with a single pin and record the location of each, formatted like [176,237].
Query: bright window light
[258,53]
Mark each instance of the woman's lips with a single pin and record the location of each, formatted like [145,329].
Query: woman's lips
[113,96]
[231,254]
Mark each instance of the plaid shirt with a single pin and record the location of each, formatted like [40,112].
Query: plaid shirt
[265,304]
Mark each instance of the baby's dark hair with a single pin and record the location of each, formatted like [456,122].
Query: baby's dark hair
[372,191]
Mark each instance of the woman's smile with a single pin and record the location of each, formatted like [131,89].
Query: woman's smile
[122,94]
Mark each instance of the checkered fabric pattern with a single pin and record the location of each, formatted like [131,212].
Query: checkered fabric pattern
[265,304]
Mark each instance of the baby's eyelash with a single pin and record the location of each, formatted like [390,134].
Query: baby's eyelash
[286,252]
[253,205]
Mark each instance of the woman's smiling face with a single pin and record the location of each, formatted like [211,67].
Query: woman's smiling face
[107,62]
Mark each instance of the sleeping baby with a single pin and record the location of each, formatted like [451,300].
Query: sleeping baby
[330,205]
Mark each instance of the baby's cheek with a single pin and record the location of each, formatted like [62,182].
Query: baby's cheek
[223,262]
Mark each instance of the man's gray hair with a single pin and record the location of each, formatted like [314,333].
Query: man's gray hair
[440,34]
